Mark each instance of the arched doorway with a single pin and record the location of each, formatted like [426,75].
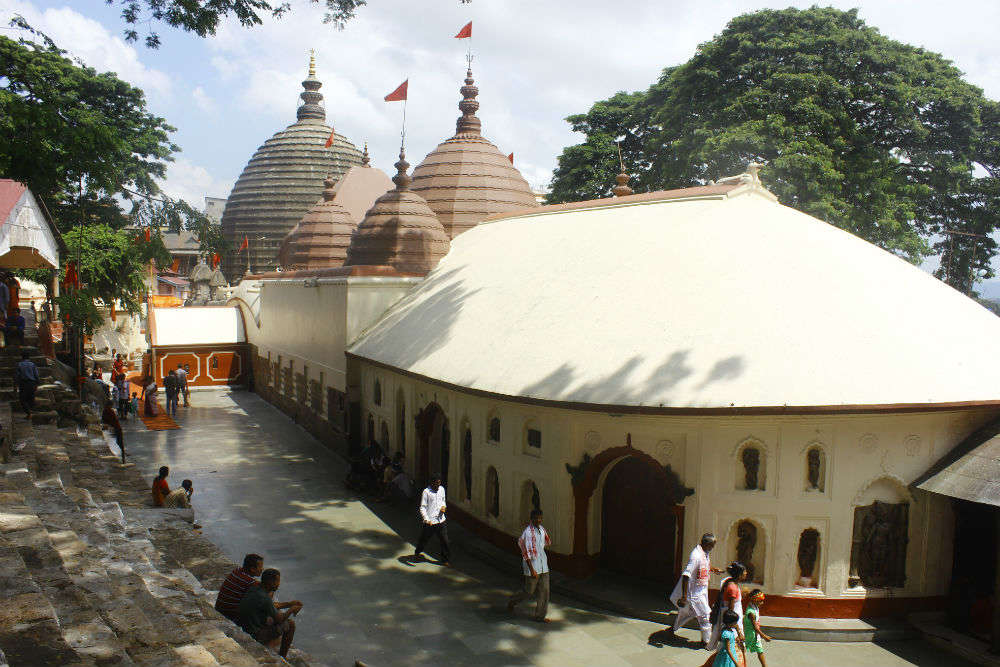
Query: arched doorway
[434,441]
[639,522]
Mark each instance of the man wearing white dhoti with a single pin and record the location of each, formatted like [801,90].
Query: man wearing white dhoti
[690,595]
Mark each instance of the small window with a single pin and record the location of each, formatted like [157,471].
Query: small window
[495,429]
[534,438]
[378,393]
[492,492]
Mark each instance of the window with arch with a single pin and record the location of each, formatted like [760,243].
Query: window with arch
[467,462]
[747,540]
[492,492]
[808,558]
[531,499]
[494,429]
[401,422]
[377,394]
[751,466]
[815,473]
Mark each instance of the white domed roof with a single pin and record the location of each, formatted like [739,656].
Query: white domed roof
[707,298]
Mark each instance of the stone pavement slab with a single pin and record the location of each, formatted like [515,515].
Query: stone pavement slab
[264,485]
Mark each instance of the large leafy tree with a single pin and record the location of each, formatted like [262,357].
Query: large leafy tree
[202,17]
[82,140]
[880,138]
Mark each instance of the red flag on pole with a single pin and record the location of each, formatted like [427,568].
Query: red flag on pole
[243,246]
[511,158]
[399,94]
[333,134]
[465,32]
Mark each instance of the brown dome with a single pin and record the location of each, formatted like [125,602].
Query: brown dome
[466,178]
[399,230]
[320,240]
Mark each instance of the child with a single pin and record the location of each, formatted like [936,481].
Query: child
[726,656]
[751,626]
[135,405]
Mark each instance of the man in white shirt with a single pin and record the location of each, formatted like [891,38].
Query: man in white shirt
[432,513]
[535,566]
[690,595]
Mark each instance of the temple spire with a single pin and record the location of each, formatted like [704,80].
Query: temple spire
[468,123]
[312,99]
[402,179]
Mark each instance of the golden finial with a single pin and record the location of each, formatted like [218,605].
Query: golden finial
[312,62]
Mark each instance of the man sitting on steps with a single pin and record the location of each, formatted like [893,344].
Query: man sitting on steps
[259,615]
[236,586]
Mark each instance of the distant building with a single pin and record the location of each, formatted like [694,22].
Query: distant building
[214,206]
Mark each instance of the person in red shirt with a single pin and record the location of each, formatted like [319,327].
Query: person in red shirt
[160,487]
[236,585]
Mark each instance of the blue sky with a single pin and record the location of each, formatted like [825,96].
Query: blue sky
[536,63]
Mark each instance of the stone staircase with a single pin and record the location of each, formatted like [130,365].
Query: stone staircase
[90,573]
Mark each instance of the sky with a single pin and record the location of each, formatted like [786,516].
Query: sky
[535,63]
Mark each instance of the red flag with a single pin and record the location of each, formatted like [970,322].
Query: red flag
[147,234]
[215,259]
[333,134]
[243,246]
[399,94]
[511,158]
[465,31]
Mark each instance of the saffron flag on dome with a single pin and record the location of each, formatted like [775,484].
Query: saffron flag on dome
[465,32]
[511,158]
[243,246]
[333,134]
[398,95]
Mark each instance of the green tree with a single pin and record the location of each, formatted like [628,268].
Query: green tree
[880,138]
[113,265]
[81,140]
[202,16]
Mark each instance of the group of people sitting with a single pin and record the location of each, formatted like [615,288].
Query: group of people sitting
[372,471]
[164,497]
[249,603]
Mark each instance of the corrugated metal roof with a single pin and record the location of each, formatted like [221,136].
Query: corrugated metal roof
[971,470]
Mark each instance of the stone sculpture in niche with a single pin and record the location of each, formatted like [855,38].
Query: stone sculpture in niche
[813,468]
[807,556]
[746,534]
[878,554]
[751,467]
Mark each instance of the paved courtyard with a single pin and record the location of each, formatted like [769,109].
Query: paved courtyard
[264,485]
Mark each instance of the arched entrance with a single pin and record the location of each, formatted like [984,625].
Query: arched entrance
[433,443]
[639,497]
[638,522]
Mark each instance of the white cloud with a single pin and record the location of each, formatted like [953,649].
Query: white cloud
[192,183]
[203,100]
[89,41]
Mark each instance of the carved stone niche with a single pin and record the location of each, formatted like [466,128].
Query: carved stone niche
[808,558]
[878,547]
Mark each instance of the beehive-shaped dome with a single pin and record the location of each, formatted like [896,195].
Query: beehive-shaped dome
[399,230]
[322,237]
[283,179]
[466,178]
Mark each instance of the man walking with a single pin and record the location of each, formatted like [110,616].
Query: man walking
[432,512]
[182,382]
[690,595]
[27,381]
[172,386]
[535,566]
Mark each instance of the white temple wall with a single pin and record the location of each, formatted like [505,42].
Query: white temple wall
[863,458]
